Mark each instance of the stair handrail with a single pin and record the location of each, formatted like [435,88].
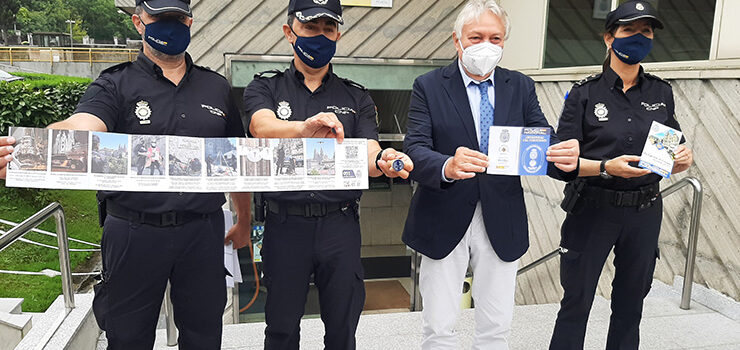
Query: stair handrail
[693,238]
[54,209]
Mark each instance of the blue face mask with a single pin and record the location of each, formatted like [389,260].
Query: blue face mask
[314,51]
[168,35]
[632,49]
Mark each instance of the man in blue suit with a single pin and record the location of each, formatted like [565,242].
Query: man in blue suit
[459,215]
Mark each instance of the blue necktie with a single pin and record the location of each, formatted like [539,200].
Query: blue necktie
[486,115]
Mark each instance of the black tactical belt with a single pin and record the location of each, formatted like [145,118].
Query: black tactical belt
[639,198]
[170,218]
[307,210]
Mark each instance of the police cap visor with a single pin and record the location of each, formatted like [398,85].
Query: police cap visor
[631,11]
[308,10]
[155,7]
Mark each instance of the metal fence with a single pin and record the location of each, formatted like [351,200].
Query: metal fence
[54,55]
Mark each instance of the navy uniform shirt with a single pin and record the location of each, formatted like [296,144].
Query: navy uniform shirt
[286,94]
[200,105]
[624,124]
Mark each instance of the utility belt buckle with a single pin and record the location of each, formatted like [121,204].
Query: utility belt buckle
[169,218]
[625,198]
[314,210]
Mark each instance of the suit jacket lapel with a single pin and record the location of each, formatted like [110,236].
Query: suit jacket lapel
[503,97]
[455,89]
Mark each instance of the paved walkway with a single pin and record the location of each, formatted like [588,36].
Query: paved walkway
[665,326]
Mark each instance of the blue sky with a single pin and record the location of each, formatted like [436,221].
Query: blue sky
[108,140]
[326,144]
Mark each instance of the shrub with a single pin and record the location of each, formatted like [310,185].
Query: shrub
[40,101]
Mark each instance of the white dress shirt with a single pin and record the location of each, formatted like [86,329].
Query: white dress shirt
[471,88]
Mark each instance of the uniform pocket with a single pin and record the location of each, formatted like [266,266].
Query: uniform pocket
[100,302]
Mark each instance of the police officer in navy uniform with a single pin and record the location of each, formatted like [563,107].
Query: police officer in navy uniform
[614,204]
[314,232]
[151,238]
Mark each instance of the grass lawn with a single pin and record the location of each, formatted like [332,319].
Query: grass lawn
[16,205]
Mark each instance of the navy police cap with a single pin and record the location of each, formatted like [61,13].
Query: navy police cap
[632,11]
[307,10]
[155,7]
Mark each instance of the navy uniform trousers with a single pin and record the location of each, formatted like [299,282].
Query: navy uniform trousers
[139,259]
[295,247]
[588,238]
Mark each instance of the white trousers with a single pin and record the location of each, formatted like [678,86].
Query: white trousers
[494,281]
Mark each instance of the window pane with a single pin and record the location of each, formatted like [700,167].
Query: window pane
[688,30]
[574,30]
[575,27]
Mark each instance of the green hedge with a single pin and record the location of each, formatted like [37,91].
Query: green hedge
[39,100]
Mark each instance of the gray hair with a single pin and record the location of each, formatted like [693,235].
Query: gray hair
[474,9]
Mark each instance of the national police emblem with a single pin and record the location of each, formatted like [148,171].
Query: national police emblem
[505,136]
[143,112]
[601,112]
[640,7]
[283,110]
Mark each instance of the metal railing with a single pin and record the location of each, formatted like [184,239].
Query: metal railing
[690,254]
[53,209]
[692,239]
[55,55]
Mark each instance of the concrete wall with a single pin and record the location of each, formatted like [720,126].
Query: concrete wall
[72,69]
[383,214]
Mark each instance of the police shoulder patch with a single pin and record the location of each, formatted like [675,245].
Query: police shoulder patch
[354,84]
[655,77]
[588,79]
[268,74]
[116,68]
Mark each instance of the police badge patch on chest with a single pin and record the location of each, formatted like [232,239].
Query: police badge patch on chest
[601,112]
[143,112]
[283,110]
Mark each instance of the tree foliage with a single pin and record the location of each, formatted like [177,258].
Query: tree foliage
[100,19]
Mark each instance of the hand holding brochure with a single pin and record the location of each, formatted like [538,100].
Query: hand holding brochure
[89,160]
[517,150]
[658,153]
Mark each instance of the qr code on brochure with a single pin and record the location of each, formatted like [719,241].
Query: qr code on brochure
[351,152]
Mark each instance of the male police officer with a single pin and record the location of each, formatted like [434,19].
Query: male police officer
[150,238]
[314,232]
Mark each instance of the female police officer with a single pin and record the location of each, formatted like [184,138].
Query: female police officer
[613,203]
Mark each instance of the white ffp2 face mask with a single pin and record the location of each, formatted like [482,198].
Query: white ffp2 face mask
[481,59]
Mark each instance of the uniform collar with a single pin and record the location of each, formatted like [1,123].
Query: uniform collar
[300,77]
[614,81]
[152,68]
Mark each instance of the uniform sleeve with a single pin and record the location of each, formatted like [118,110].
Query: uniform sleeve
[570,124]
[367,125]
[100,99]
[234,121]
[258,95]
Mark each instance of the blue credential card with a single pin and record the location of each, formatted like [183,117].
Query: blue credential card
[518,151]
[534,144]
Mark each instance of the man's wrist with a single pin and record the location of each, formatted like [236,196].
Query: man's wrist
[378,157]
[444,166]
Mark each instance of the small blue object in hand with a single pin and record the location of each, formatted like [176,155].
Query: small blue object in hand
[397,165]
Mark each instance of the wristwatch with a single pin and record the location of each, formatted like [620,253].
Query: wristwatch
[602,170]
[378,157]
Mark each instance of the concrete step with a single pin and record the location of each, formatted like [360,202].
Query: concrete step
[11,305]
[58,330]
[664,326]
[13,327]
